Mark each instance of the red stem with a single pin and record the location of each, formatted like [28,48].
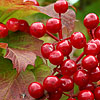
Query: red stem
[66,94]
[55,38]
[67,38]
[79,58]
[92,34]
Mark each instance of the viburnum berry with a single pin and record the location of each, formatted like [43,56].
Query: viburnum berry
[91,21]
[68,67]
[46,49]
[78,40]
[56,57]
[36,90]
[53,25]
[37,29]
[97,32]
[97,93]
[3,31]
[13,24]
[67,83]
[81,78]
[51,83]
[85,95]
[34,2]
[61,6]
[71,99]
[65,47]
[23,26]
[89,62]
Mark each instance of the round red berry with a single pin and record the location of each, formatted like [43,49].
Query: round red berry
[3,31]
[97,32]
[85,95]
[34,2]
[61,6]
[13,24]
[37,29]
[71,99]
[65,47]
[53,25]
[78,40]
[51,83]
[56,57]
[91,21]
[97,93]
[89,62]
[36,90]
[68,67]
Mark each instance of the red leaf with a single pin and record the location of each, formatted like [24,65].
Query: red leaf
[3,45]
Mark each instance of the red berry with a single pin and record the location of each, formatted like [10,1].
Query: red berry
[97,32]
[68,67]
[56,57]
[46,49]
[91,49]
[65,47]
[36,90]
[3,31]
[34,2]
[85,95]
[53,25]
[67,83]
[97,93]
[78,40]
[51,83]
[81,78]
[61,6]
[89,62]
[71,99]
[91,21]
[13,24]
[37,29]
[23,26]
[95,74]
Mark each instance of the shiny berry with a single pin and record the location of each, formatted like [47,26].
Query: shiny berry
[97,32]
[37,29]
[91,21]
[56,57]
[91,49]
[36,90]
[51,83]
[89,62]
[53,25]
[46,49]
[67,83]
[68,67]
[81,78]
[23,26]
[95,74]
[61,6]
[71,99]
[3,31]
[85,95]
[65,47]
[78,40]
[34,2]
[13,24]
[97,93]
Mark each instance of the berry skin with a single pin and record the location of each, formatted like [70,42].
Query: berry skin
[3,31]
[81,78]
[85,95]
[78,40]
[89,62]
[23,26]
[56,57]
[65,47]
[51,83]
[97,32]
[37,29]
[34,2]
[91,21]
[67,83]
[95,74]
[13,24]
[91,49]
[71,99]
[46,49]
[68,67]
[61,6]
[36,90]
[53,25]
[97,93]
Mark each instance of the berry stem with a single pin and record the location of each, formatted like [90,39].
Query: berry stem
[79,58]
[55,38]
[92,34]
[67,38]
[66,94]
[54,70]
[60,32]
